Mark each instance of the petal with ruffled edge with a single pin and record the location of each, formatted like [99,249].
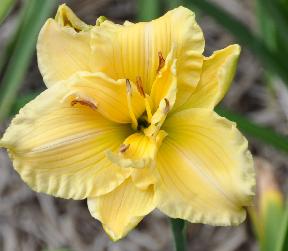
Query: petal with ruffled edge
[59,149]
[110,96]
[122,209]
[133,50]
[216,77]
[63,47]
[206,171]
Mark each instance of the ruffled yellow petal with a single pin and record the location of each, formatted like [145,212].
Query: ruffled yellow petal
[206,171]
[122,209]
[66,17]
[113,99]
[217,75]
[63,47]
[59,148]
[133,50]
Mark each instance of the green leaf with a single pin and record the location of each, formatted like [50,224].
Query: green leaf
[267,25]
[283,233]
[148,10]
[262,133]
[272,221]
[272,60]
[36,13]
[179,233]
[5,7]
[277,15]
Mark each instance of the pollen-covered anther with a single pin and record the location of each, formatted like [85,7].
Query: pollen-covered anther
[161,61]
[167,106]
[83,102]
[140,86]
[123,148]
[128,87]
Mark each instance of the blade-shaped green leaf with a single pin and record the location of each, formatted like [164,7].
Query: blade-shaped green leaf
[148,9]
[278,16]
[5,7]
[24,48]
[270,59]
[272,221]
[179,233]
[283,233]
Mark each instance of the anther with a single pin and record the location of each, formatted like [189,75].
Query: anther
[140,86]
[128,86]
[123,148]
[84,102]
[161,61]
[167,106]
[142,92]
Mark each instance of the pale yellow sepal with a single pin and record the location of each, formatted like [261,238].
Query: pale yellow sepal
[66,17]
[61,52]
[122,209]
[59,149]
[206,169]
[216,77]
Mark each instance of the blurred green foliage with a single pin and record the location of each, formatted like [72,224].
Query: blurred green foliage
[5,7]
[20,50]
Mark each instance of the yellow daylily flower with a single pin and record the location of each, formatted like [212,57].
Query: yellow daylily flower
[127,122]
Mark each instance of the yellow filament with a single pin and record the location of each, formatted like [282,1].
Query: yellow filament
[145,96]
[130,107]
[148,109]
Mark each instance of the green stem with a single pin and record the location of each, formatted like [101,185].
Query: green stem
[179,232]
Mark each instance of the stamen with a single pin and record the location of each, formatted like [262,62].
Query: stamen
[161,61]
[130,108]
[142,92]
[167,107]
[83,102]
[140,86]
[123,148]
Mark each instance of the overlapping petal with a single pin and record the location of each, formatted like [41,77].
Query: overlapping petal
[59,149]
[63,47]
[205,168]
[123,208]
[110,96]
[132,51]
[216,77]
